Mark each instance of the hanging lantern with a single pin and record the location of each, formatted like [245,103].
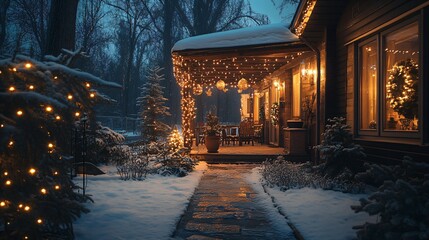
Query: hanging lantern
[220,85]
[242,84]
[198,90]
[209,92]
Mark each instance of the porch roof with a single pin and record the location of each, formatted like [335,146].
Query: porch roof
[251,53]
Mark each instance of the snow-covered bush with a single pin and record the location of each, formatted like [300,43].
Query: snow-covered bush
[155,158]
[401,202]
[287,175]
[338,151]
[108,146]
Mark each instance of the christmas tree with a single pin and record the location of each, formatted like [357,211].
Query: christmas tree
[39,102]
[175,141]
[152,107]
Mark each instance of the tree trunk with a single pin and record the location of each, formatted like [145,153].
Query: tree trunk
[4,5]
[61,26]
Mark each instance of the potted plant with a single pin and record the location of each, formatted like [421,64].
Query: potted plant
[212,129]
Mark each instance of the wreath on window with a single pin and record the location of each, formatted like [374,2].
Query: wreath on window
[274,114]
[402,88]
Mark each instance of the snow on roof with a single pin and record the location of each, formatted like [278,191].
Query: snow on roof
[257,35]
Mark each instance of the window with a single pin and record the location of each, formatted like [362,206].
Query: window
[368,86]
[401,74]
[388,78]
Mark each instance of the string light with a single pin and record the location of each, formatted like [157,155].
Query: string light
[305,17]
[43,191]
[31,87]
[92,95]
[32,171]
[11,89]
[50,145]
[39,221]
[27,208]
[87,85]
[69,97]
[48,109]
[2,204]
[19,112]
[8,182]
[11,143]
[58,117]
[28,65]
[57,187]
[5,173]
[77,114]
[14,69]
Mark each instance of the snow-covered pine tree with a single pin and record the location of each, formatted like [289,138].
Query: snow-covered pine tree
[39,103]
[152,107]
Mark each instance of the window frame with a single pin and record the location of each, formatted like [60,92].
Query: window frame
[379,37]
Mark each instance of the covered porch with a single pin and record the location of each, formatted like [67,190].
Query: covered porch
[247,61]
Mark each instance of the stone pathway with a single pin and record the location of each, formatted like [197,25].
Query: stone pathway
[224,207]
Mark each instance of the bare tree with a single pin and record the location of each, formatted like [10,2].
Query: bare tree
[136,21]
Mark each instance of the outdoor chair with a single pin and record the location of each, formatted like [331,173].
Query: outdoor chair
[233,135]
[246,133]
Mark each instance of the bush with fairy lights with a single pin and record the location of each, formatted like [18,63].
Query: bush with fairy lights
[212,124]
[40,102]
[402,88]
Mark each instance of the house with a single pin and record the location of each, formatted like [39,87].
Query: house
[373,66]
[362,60]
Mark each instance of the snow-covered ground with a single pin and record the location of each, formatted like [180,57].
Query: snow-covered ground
[148,209]
[316,213]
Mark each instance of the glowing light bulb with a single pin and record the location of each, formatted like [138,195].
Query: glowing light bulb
[31,87]
[92,95]
[55,77]
[5,173]
[32,171]
[77,114]
[2,203]
[70,97]
[8,182]
[57,187]
[11,89]
[27,208]
[14,69]
[20,205]
[19,113]
[50,145]
[55,173]
[58,117]
[48,109]
[39,221]
[87,85]
[43,191]
[11,143]
[28,65]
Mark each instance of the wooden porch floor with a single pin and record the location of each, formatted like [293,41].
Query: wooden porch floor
[236,154]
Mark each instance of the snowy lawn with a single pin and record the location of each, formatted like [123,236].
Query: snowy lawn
[148,209]
[316,213]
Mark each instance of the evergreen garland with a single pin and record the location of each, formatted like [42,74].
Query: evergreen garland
[402,88]
[274,114]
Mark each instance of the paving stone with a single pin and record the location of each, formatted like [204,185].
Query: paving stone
[216,228]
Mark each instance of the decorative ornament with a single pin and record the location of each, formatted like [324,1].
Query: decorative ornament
[274,114]
[209,92]
[242,84]
[198,90]
[402,88]
[220,85]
